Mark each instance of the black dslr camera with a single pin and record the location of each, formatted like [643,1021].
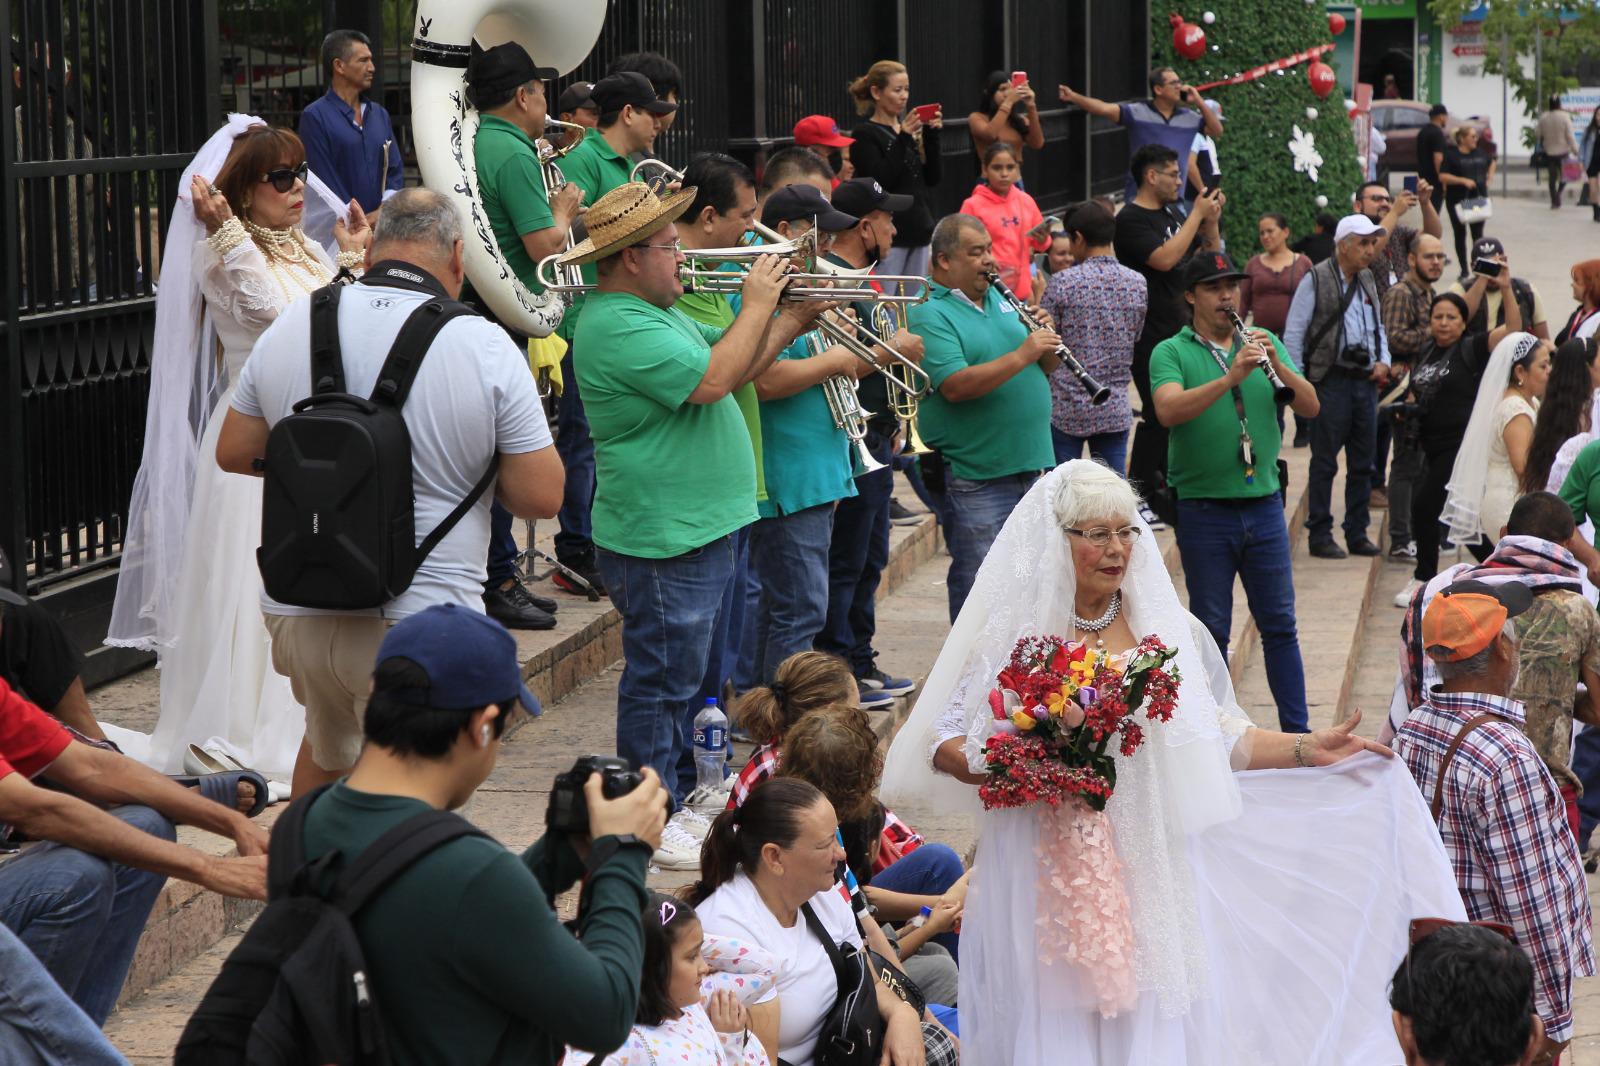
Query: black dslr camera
[1354,357]
[569,810]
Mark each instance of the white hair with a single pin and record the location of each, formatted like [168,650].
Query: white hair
[1095,491]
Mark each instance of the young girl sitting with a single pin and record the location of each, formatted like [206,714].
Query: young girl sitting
[1011,216]
[693,995]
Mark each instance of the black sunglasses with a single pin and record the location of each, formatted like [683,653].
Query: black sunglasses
[283,178]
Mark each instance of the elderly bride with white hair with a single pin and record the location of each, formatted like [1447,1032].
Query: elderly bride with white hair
[1244,896]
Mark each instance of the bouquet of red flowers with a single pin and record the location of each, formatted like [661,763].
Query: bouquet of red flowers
[1058,706]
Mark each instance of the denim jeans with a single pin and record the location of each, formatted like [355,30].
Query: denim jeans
[502,547]
[82,915]
[1218,539]
[1586,764]
[576,448]
[727,635]
[937,503]
[977,511]
[856,557]
[39,1024]
[669,610]
[1110,448]
[1382,432]
[789,558]
[926,871]
[1346,422]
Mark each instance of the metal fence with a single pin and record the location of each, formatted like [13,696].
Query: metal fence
[110,98]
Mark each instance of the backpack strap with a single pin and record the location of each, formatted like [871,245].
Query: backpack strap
[393,853]
[431,541]
[835,956]
[286,847]
[1450,754]
[327,368]
[410,346]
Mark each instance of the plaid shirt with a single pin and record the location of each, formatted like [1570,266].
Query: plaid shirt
[898,838]
[1098,307]
[1504,826]
[1406,307]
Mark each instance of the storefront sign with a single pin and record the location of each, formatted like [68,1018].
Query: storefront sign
[1388,9]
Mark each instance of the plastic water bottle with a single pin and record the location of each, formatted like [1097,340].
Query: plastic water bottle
[710,742]
[922,918]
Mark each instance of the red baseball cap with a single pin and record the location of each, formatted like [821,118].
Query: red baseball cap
[820,129]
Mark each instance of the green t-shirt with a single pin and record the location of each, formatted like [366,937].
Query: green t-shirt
[466,957]
[1581,489]
[670,475]
[1203,460]
[596,168]
[513,192]
[714,309]
[809,460]
[1006,431]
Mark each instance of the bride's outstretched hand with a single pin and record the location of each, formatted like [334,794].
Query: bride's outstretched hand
[1324,747]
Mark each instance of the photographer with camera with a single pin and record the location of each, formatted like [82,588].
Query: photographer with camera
[466,959]
[1335,335]
[1407,305]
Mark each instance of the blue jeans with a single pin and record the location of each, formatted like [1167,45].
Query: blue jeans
[1347,421]
[1219,539]
[39,1025]
[502,547]
[576,448]
[669,610]
[789,560]
[856,558]
[977,511]
[81,915]
[727,636]
[1586,764]
[927,871]
[935,502]
[1110,448]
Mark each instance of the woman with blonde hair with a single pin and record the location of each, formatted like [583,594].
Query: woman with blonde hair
[901,150]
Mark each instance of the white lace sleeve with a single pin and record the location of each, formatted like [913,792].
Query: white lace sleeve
[1233,723]
[238,285]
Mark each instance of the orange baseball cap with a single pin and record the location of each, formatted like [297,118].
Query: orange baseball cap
[1464,618]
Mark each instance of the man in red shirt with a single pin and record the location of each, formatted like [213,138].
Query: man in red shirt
[79,899]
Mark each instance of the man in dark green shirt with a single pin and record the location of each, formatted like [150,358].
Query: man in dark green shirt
[508,91]
[1222,461]
[467,960]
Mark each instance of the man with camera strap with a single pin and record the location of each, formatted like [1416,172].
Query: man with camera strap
[1335,334]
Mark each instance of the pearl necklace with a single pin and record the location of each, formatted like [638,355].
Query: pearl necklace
[287,258]
[1098,625]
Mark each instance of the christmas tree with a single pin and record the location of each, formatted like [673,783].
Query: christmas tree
[1283,148]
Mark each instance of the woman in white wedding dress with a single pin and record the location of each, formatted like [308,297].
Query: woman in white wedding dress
[189,587]
[1269,877]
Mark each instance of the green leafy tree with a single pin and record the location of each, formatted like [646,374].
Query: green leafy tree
[1260,117]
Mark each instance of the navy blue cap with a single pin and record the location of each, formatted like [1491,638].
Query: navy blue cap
[805,201]
[470,659]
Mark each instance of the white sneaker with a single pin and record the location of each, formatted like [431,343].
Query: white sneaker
[1402,599]
[1151,519]
[678,850]
[710,801]
[692,822]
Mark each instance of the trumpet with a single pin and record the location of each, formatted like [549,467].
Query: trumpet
[845,406]
[888,320]
[694,276]
[911,388]
[1280,392]
[1098,393]
[571,277]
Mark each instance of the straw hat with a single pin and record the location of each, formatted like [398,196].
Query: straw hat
[626,215]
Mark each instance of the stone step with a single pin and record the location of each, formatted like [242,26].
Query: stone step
[187,921]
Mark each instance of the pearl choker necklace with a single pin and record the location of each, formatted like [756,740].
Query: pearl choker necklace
[1096,625]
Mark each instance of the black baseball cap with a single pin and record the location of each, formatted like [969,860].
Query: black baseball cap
[505,66]
[805,201]
[470,659]
[862,196]
[577,97]
[1487,246]
[1209,266]
[615,91]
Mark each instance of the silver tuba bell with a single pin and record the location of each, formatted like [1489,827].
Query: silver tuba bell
[556,33]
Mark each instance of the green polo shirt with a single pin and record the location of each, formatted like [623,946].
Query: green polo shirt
[1006,431]
[714,309]
[596,168]
[513,192]
[670,475]
[809,460]
[1203,453]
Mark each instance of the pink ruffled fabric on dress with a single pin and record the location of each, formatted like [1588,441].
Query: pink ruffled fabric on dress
[1087,923]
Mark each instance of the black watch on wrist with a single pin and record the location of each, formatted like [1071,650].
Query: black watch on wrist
[605,847]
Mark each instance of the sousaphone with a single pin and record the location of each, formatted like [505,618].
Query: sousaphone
[556,33]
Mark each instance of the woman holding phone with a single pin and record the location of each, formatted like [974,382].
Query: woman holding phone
[1006,112]
[901,150]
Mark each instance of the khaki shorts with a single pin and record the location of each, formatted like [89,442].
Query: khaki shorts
[328,660]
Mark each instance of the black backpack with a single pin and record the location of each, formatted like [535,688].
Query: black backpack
[338,524]
[295,991]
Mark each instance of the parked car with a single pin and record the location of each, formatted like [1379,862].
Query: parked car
[1399,121]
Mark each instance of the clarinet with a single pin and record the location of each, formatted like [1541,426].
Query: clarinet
[1098,393]
[1280,392]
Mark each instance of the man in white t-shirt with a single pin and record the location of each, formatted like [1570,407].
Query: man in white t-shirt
[472,398]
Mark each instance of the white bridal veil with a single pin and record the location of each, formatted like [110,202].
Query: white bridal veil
[1463,506]
[186,379]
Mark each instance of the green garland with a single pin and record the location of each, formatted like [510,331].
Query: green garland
[1258,172]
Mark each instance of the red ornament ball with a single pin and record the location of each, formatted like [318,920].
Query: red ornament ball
[1335,23]
[1321,78]
[1189,40]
